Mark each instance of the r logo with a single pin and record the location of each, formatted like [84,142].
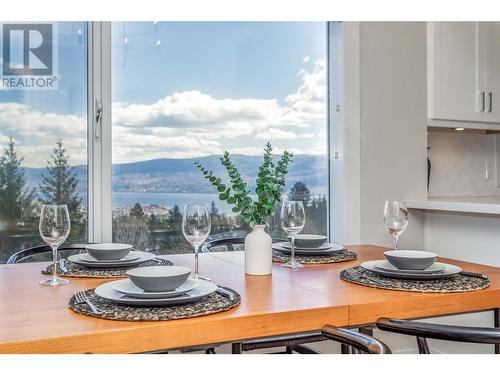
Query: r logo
[28,50]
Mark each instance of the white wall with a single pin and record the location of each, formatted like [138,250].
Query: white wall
[378,80]
[393,124]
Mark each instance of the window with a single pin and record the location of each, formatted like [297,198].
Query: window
[43,129]
[183,91]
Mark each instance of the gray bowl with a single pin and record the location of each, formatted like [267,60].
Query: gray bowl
[108,251]
[159,278]
[410,259]
[309,240]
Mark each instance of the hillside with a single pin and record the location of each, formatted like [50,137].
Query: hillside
[181,176]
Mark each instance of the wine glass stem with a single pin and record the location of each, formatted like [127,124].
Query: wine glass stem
[292,259]
[196,248]
[54,260]
[396,242]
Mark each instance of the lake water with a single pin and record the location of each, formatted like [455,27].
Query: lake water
[169,200]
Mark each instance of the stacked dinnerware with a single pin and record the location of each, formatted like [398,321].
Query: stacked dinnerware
[156,286]
[110,255]
[309,244]
[411,264]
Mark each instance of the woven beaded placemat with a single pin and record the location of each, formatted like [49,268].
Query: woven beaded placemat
[452,284]
[340,256]
[76,270]
[211,304]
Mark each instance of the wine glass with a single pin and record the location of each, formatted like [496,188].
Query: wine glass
[395,219]
[196,227]
[54,227]
[293,219]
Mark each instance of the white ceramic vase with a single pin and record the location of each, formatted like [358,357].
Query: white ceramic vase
[258,252]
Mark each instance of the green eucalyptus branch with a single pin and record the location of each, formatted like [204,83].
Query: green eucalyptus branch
[270,185]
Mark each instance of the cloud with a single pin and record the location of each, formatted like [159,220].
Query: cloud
[311,96]
[253,151]
[306,59]
[274,133]
[194,110]
[308,135]
[35,133]
[129,146]
[181,125]
[257,151]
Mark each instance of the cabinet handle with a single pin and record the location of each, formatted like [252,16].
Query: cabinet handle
[483,101]
[490,101]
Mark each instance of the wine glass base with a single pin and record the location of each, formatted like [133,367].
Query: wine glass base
[292,264]
[51,282]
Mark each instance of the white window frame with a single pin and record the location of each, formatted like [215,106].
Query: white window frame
[99,134]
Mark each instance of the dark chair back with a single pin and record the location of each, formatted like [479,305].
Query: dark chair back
[33,252]
[422,331]
[228,243]
[356,340]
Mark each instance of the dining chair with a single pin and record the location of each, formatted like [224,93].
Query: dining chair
[357,341]
[229,244]
[423,331]
[293,343]
[43,253]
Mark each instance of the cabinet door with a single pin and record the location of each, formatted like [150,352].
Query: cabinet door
[454,87]
[490,32]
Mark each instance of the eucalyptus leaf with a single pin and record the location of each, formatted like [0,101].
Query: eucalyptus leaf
[270,184]
[223,196]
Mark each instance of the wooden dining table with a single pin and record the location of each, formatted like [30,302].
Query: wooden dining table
[36,319]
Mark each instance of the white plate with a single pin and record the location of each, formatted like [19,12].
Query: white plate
[127,287]
[449,270]
[107,291]
[386,266]
[133,255]
[333,249]
[325,246]
[144,258]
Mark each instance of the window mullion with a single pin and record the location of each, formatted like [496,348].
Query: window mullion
[99,132]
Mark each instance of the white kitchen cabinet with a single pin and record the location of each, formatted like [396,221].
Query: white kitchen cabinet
[490,34]
[452,71]
[464,71]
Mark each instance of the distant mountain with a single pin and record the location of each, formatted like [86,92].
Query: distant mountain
[181,175]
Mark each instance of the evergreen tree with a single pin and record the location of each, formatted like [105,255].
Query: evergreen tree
[16,200]
[300,192]
[153,220]
[59,185]
[137,211]
[214,211]
[175,215]
[319,214]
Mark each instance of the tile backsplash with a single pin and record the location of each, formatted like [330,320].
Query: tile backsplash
[461,161]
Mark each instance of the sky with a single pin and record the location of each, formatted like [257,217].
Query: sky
[183,90]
